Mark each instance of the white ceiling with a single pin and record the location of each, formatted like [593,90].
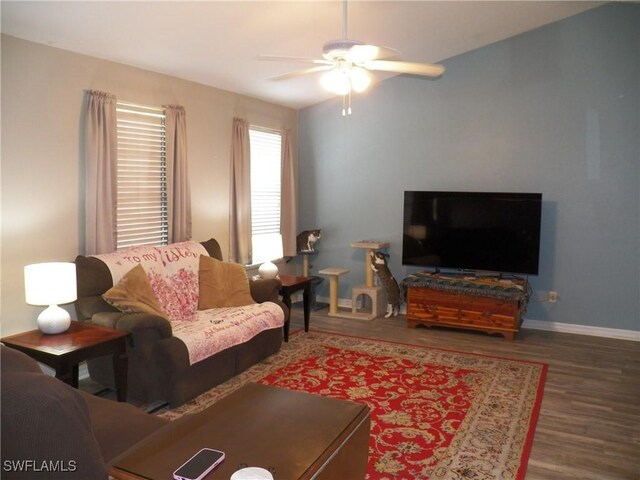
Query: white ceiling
[215,42]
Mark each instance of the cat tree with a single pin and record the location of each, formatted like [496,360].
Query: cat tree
[305,261]
[315,280]
[375,293]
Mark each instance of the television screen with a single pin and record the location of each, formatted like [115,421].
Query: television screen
[496,232]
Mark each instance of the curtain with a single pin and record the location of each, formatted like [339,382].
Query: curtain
[289,204]
[240,194]
[100,172]
[178,192]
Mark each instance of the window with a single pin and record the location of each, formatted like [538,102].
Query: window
[142,176]
[266,157]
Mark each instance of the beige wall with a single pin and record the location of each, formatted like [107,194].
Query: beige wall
[41,172]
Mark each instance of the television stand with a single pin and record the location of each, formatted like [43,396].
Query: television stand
[488,304]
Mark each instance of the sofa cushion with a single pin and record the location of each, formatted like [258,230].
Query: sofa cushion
[217,329]
[133,294]
[46,430]
[222,284]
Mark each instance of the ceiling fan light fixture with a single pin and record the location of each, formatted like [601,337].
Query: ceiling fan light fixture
[359,78]
[336,81]
[348,65]
[342,81]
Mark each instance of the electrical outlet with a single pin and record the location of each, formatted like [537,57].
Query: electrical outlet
[552,296]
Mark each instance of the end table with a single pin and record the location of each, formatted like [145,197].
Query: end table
[64,351]
[290,285]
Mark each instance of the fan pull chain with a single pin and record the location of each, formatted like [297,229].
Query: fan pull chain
[346,104]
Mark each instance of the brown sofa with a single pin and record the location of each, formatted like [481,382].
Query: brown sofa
[159,368]
[53,431]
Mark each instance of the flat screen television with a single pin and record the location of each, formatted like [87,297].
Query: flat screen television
[483,231]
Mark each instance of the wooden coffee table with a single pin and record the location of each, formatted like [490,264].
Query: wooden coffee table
[295,435]
[65,351]
[290,285]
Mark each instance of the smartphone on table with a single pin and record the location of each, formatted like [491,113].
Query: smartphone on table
[198,466]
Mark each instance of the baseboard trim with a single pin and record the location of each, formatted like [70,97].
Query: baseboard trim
[605,332]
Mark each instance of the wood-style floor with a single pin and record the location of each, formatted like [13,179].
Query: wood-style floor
[589,424]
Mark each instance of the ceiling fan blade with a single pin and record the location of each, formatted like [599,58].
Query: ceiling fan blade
[360,54]
[280,58]
[411,68]
[299,73]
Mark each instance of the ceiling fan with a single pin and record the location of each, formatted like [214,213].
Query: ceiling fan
[348,65]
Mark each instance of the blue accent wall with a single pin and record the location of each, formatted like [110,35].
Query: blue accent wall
[554,110]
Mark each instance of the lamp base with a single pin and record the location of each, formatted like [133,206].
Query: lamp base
[54,320]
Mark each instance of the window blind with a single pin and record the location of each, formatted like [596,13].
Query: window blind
[266,157]
[142,176]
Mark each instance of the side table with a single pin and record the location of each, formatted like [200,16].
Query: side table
[290,285]
[65,351]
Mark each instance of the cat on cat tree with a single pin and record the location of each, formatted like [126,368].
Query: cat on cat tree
[306,240]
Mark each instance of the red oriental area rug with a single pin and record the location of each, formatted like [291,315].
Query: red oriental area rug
[435,414]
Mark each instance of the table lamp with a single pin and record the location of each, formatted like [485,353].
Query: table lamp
[266,248]
[51,284]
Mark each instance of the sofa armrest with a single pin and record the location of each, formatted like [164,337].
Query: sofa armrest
[265,289]
[117,426]
[268,290]
[134,322]
[45,421]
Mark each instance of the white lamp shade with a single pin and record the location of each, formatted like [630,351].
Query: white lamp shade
[336,80]
[360,79]
[50,283]
[342,80]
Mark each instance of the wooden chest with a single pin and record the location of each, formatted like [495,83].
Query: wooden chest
[427,306]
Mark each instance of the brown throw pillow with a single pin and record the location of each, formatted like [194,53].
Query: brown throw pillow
[133,294]
[223,284]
